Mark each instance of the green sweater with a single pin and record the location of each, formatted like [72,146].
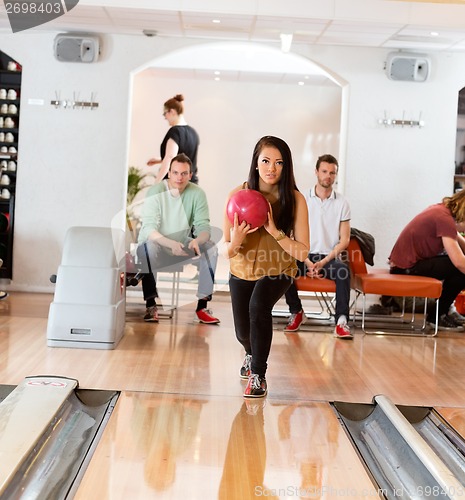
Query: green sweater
[172,215]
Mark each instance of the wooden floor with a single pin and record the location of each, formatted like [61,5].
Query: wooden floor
[181,428]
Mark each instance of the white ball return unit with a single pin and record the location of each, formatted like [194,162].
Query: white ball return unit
[89,306]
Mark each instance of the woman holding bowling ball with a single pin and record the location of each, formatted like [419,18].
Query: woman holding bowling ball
[263,259]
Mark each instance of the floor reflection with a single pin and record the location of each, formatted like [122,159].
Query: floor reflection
[244,465]
[310,437]
[163,429]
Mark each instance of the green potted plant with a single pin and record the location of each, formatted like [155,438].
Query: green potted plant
[135,184]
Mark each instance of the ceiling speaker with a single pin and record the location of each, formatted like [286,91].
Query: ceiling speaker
[70,47]
[408,67]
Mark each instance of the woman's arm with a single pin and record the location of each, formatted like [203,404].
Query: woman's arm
[171,151]
[455,253]
[461,241]
[300,245]
[153,161]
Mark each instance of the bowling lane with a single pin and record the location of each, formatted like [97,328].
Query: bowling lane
[455,417]
[173,446]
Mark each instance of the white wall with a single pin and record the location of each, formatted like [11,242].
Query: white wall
[393,173]
[72,164]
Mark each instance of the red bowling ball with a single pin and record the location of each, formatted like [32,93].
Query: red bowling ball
[250,205]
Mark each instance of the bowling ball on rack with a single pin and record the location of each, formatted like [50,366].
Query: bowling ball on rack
[4,222]
[250,205]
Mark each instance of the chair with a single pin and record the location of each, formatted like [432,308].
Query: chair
[175,270]
[381,282]
[321,287]
[135,272]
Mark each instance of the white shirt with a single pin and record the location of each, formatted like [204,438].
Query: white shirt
[325,217]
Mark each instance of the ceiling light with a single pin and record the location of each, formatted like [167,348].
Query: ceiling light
[301,83]
[434,33]
[217,73]
[216,21]
[286,41]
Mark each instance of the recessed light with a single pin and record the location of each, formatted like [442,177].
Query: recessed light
[434,33]
[217,72]
[216,21]
[300,83]
[286,41]
[217,78]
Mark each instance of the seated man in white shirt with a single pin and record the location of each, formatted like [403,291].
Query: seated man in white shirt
[329,218]
[176,229]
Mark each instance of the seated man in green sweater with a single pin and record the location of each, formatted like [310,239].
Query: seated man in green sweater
[176,229]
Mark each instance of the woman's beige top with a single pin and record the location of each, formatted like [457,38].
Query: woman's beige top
[261,255]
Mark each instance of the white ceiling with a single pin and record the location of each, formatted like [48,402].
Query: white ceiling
[390,24]
[362,23]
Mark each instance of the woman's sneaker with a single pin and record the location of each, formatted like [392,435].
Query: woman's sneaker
[256,387]
[246,366]
[151,314]
[446,322]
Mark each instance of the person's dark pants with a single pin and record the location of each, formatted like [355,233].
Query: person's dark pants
[441,268]
[154,258]
[252,305]
[335,270]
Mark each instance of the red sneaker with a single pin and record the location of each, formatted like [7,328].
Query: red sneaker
[343,332]
[205,316]
[256,387]
[295,321]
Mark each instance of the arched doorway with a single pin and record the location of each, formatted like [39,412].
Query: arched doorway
[234,94]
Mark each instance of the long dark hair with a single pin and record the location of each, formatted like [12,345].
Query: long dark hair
[287,184]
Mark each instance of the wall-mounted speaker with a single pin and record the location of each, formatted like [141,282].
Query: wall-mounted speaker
[69,47]
[408,67]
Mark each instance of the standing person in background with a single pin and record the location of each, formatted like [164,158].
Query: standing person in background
[180,138]
[329,216]
[262,261]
